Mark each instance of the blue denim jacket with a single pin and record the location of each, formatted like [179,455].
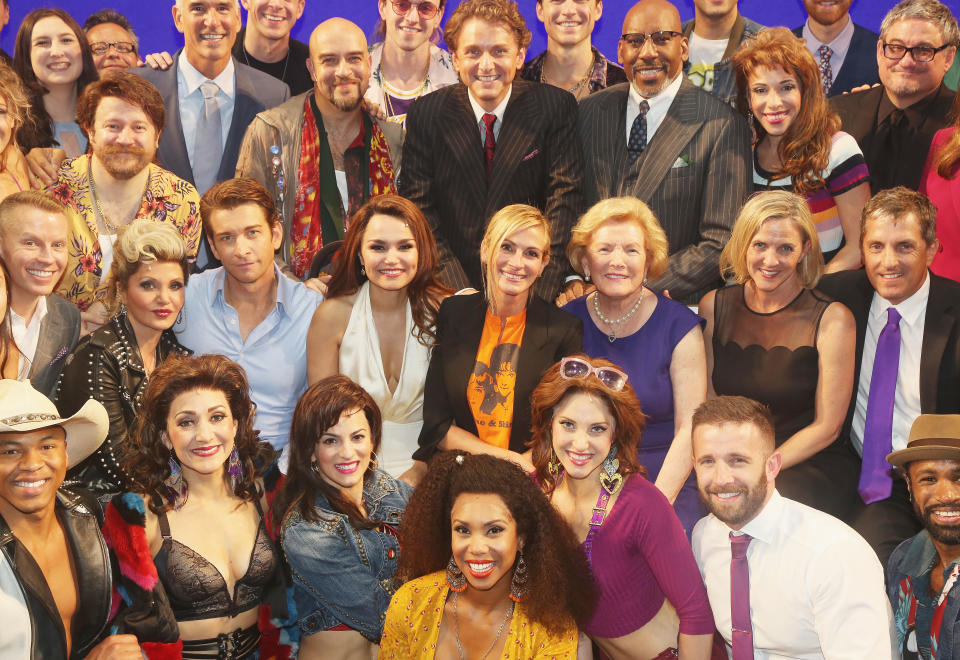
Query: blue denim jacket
[342,575]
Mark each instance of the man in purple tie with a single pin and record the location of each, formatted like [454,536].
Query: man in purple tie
[784,580]
[907,363]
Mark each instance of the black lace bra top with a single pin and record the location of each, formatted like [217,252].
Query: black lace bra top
[195,587]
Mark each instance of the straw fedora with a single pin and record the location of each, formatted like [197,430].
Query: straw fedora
[24,409]
[932,437]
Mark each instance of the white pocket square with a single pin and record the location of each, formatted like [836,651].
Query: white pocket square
[682,161]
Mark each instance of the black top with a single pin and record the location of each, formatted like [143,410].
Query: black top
[292,69]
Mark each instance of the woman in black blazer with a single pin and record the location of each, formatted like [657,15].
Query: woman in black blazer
[492,348]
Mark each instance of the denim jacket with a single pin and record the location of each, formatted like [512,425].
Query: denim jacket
[342,575]
[724,78]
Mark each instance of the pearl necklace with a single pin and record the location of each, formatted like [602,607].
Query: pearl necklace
[456,628]
[611,323]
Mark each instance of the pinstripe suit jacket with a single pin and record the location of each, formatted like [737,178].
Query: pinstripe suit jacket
[538,161]
[694,175]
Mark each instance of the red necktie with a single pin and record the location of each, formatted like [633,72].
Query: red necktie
[490,143]
[742,632]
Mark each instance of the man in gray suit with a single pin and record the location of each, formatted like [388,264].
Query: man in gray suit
[44,326]
[210,97]
[677,148]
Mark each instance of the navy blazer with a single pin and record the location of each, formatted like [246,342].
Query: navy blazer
[860,64]
[549,335]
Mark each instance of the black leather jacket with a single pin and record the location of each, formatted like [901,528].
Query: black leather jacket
[79,513]
[106,365]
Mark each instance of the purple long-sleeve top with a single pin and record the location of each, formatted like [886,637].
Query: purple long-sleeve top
[640,557]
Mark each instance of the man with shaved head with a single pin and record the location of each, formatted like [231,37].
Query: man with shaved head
[674,146]
[210,97]
[319,154]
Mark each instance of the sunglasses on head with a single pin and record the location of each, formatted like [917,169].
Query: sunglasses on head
[611,377]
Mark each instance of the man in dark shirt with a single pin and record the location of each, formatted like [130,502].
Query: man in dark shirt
[265,44]
[895,123]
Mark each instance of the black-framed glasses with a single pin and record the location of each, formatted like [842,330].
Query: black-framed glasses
[101,47]
[918,53]
[426,10]
[660,39]
[573,367]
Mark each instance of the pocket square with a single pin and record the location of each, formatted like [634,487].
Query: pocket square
[530,155]
[682,161]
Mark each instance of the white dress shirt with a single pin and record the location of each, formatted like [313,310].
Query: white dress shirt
[26,336]
[191,100]
[816,586]
[839,46]
[906,400]
[479,112]
[659,105]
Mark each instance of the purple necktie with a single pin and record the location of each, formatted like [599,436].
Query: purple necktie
[740,597]
[489,142]
[826,71]
[876,475]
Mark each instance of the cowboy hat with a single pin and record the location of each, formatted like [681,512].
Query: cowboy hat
[24,409]
[932,437]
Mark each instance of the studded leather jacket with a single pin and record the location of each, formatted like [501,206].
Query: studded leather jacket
[79,513]
[106,365]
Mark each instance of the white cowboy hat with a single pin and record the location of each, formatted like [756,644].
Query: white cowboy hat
[23,409]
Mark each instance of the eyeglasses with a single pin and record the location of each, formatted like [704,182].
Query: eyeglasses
[918,53]
[660,39]
[426,10]
[572,367]
[101,47]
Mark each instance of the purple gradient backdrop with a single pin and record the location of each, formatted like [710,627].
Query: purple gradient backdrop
[152,21]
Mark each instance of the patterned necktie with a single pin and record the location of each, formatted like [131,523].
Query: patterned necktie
[489,142]
[876,476]
[742,631]
[638,134]
[208,145]
[826,72]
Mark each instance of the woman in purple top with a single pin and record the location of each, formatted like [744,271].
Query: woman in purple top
[657,341]
[586,424]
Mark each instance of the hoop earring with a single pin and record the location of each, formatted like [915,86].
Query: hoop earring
[611,480]
[234,469]
[553,465]
[518,583]
[176,486]
[455,578]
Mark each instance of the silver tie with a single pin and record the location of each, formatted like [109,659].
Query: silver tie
[208,147]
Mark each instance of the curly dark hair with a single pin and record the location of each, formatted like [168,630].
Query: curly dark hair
[623,405]
[560,583]
[425,291]
[320,408]
[146,458]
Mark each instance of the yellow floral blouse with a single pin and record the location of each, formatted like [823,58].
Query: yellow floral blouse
[413,624]
[168,198]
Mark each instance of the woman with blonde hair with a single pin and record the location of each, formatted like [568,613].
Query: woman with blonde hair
[14,109]
[773,337]
[618,245]
[113,363]
[492,347]
[799,145]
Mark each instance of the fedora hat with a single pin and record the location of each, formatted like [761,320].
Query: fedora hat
[24,409]
[932,437]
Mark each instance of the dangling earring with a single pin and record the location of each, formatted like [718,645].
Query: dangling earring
[373,460]
[455,578]
[586,275]
[176,486]
[362,270]
[553,465]
[610,479]
[315,466]
[518,583]
[234,469]
[179,317]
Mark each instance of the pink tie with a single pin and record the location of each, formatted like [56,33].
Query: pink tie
[740,597]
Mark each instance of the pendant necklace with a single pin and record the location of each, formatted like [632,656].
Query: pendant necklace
[614,323]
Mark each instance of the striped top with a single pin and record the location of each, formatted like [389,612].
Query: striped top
[845,171]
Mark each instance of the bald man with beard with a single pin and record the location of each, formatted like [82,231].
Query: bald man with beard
[323,141]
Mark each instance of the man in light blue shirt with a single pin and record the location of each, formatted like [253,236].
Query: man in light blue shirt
[246,309]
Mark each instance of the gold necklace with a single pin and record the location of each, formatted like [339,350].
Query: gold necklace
[109,226]
[386,88]
[576,90]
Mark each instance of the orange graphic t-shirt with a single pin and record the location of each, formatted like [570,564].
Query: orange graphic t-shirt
[490,387]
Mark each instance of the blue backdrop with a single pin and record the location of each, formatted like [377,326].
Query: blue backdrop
[153,23]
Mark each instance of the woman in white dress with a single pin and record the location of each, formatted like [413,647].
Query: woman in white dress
[377,324]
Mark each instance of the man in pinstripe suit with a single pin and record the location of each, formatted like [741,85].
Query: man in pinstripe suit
[460,172]
[661,139]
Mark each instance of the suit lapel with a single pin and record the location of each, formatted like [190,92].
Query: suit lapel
[608,155]
[244,110]
[515,142]
[53,337]
[939,322]
[535,336]
[174,154]
[460,131]
[466,337]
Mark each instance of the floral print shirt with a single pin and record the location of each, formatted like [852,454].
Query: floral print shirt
[168,198]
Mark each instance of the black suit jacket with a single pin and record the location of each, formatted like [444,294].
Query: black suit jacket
[694,176]
[860,64]
[538,161]
[549,335]
[940,355]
